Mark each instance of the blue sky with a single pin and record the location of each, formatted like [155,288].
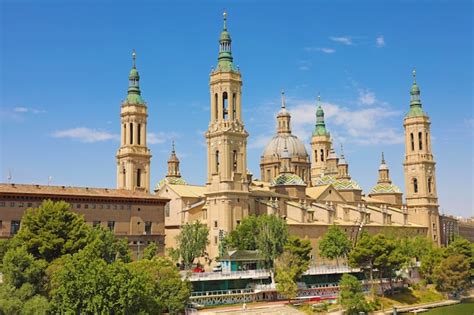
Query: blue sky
[64,68]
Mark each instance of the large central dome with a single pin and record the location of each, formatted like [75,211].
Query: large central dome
[276,146]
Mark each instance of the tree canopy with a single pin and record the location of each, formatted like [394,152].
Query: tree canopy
[351,295]
[244,237]
[272,237]
[334,244]
[191,242]
[453,274]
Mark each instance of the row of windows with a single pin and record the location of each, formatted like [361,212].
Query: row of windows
[21,204]
[420,141]
[139,127]
[429,184]
[218,161]
[225,105]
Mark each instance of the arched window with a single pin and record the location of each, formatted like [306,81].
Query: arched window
[225,105]
[234,106]
[217,161]
[234,160]
[412,139]
[429,184]
[420,141]
[139,177]
[426,142]
[322,155]
[131,133]
[216,104]
[124,134]
[315,155]
[269,174]
[415,185]
[139,137]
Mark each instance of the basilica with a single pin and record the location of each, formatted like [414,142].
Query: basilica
[310,190]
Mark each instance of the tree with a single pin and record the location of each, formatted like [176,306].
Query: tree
[334,244]
[88,284]
[21,301]
[191,242]
[150,251]
[286,284]
[461,246]
[167,291]
[51,230]
[452,275]
[107,246]
[429,262]
[351,295]
[298,253]
[363,255]
[244,237]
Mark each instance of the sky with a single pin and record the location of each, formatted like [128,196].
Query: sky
[64,72]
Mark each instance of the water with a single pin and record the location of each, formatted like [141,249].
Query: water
[464,308]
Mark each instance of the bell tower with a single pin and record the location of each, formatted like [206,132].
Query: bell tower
[227,186]
[133,156]
[320,144]
[419,167]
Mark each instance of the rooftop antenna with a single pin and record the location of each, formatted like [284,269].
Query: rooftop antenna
[9,177]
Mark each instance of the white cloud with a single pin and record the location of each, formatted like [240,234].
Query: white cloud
[86,135]
[345,40]
[321,49]
[366,97]
[21,109]
[380,41]
[160,137]
[260,141]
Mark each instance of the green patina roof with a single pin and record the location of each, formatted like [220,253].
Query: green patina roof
[385,189]
[415,101]
[134,93]
[320,127]
[242,255]
[225,59]
[171,181]
[287,179]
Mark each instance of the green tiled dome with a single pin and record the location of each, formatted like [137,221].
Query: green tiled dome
[170,181]
[345,184]
[324,180]
[385,189]
[287,179]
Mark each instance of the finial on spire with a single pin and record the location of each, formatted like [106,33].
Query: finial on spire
[383,158]
[134,57]
[172,146]
[414,75]
[342,149]
[319,98]
[225,19]
[283,98]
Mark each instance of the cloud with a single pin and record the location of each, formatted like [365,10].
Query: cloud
[366,97]
[345,40]
[160,137]
[380,41]
[260,141]
[321,49]
[85,135]
[21,109]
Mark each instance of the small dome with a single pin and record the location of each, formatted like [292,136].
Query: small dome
[324,180]
[225,36]
[287,179]
[170,181]
[133,73]
[385,189]
[276,146]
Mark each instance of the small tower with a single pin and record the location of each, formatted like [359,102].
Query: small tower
[133,156]
[384,189]
[173,164]
[227,186]
[320,145]
[419,167]
[331,162]
[283,118]
[342,167]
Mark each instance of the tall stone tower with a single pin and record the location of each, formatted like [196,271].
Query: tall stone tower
[227,186]
[133,156]
[320,144]
[419,167]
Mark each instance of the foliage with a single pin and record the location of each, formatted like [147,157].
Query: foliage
[296,255]
[286,284]
[21,301]
[429,262]
[410,296]
[461,246]
[191,242]
[272,237]
[244,236]
[20,267]
[51,230]
[164,287]
[351,295]
[334,244]
[105,245]
[150,251]
[418,247]
[3,249]
[88,284]
[452,275]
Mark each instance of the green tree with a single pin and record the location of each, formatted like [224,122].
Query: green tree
[452,274]
[298,255]
[150,251]
[285,283]
[429,262]
[244,237]
[363,255]
[87,284]
[21,301]
[104,244]
[351,295]
[191,242]
[334,244]
[167,291]
[20,267]
[461,246]
[3,249]
[51,230]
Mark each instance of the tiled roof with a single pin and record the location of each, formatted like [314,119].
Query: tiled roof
[170,180]
[385,189]
[287,179]
[189,191]
[51,191]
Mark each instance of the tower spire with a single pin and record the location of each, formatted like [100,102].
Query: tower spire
[320,127]
[134,93]
[283,99]
[415,101]
[225,59]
